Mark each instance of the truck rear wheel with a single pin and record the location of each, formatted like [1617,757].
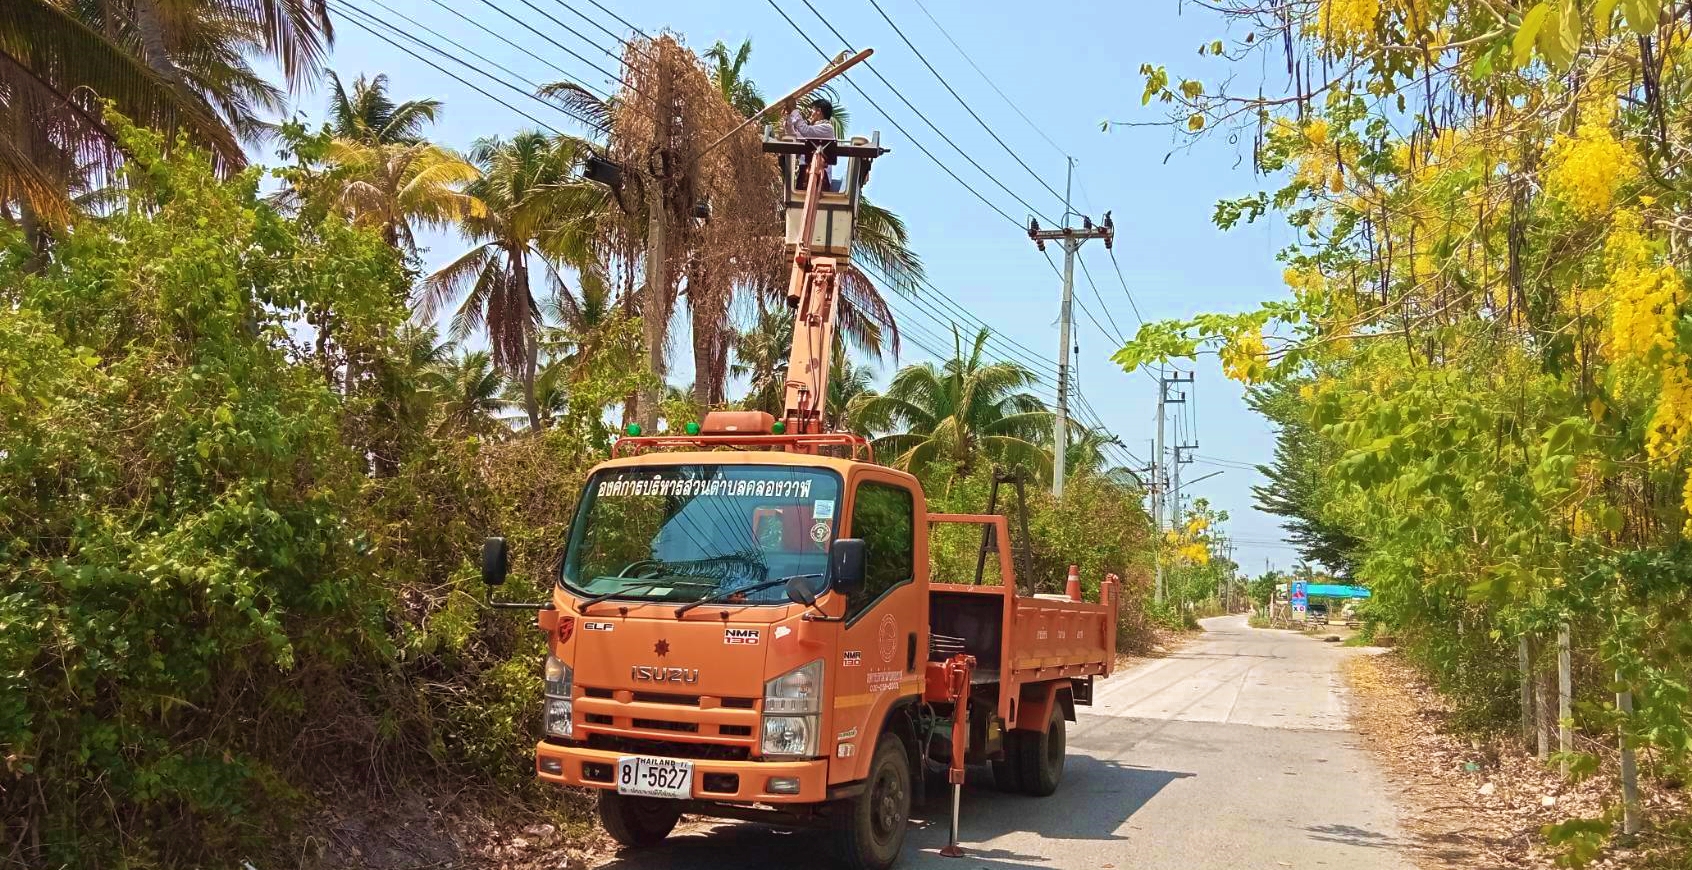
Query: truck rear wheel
[1007,773]
[872,826]
[637,821]
[1042,756]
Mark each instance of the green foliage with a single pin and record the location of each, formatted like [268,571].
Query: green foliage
[235,558]
[1111,535]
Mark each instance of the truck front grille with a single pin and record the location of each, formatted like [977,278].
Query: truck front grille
[668,748]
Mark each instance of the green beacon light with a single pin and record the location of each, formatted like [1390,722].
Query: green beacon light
[778,428]
[692,428]
[633,429]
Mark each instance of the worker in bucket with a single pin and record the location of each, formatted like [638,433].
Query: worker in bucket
[816,124]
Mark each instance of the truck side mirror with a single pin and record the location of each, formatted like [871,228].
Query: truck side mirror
[846,565]
[495,561]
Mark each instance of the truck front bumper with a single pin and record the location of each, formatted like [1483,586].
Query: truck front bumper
[730,781]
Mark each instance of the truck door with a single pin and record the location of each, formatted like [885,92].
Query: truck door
[884,640]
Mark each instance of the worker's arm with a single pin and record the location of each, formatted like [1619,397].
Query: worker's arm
[797,127]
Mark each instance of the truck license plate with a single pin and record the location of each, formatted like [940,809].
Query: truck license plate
[655,777]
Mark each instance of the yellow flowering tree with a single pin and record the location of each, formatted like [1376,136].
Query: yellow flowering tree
[1485,338]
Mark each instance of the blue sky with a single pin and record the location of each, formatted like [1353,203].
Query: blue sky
[1067,72]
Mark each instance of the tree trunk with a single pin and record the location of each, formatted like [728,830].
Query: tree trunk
[655,314]
[150,26]
[531,341]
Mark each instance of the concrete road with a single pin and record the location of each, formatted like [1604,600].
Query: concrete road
[1232,753]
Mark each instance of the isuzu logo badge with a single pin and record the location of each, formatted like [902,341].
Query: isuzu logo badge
[658,674]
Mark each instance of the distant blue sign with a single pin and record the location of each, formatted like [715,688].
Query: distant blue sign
[1337,590]
[1300,596]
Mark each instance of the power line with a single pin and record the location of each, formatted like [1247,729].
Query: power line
[595,22]
[966,106]
[620,19]
[350,12]
[1088,274]
[890,119]
[972,65]
[560,46]
[484,28]
[908,287]
[1124,282]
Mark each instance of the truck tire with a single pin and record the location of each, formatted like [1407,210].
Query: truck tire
[637,821]
[1007,773]
[872,825]
[1042,756]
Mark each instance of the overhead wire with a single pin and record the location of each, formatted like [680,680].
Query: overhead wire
[484,28]
[620,19]
[352,13]
[890,119]
[967,108]
[1008,101]
[559,45]
[1124,282]
[923,116]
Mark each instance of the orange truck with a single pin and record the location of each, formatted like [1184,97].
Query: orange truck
[744,623]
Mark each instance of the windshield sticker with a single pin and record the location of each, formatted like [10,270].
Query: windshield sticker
[765,488]
[819,532]
[740,636]
[852,659]
[824,509]
[598,626]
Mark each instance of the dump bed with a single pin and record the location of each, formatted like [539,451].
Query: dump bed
[1020,641]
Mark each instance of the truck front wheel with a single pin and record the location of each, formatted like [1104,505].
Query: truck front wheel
[1042,756]
[637,821]
[872,824]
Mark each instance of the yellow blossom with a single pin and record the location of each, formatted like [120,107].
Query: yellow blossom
[1584,170]
[1245,357]
[1345,23]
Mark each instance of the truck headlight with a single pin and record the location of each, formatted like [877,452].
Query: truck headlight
[560,684]
[792,712]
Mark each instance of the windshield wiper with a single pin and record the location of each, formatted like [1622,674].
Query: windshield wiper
[649,584]
[721,594]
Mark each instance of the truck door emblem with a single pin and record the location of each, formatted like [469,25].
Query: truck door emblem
[660,674]
[851,658]
[741,636]
[888,637]
[662,648]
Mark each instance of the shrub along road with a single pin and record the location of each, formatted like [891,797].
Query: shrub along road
[1231,753]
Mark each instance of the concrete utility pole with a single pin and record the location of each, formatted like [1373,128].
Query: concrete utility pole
[1071,240]
[1163,382]
[1179,460]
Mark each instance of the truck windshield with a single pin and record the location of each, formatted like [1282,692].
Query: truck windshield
[680,532]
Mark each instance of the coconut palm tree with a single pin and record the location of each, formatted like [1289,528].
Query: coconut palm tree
[761,353]
[469,389]
[728,73]
[56,70]
[526,192]
[396,185]
[960,411]
[1086,456]
[848,387]
[368,116]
